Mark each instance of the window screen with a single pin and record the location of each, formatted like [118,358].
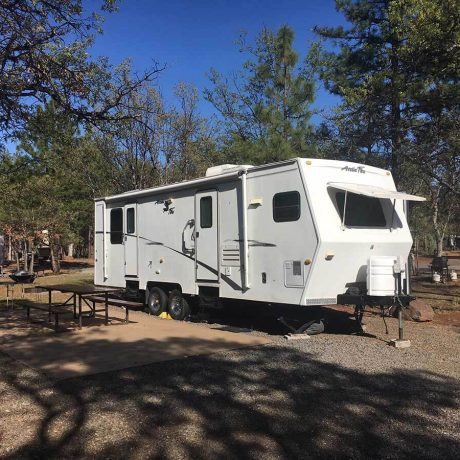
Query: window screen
[130,221]
[362,211]
[286,206]
[206,212]
[116,226]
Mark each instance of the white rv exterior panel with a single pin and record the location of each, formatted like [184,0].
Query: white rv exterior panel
[243,250]
[350,247]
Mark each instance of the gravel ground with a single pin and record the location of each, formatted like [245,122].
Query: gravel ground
[335,395]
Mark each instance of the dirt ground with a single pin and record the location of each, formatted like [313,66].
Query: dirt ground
[335,395]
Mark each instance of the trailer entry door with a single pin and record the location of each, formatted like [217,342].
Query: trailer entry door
[130,240]
[206,239]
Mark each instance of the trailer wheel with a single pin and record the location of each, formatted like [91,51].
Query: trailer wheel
[178,307]
[157,301]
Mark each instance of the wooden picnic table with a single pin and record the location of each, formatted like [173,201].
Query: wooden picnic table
[77,298]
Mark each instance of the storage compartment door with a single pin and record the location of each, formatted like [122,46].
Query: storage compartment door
[206,236]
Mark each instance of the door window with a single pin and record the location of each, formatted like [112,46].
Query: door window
[206,212]
[130,221]
[116,226]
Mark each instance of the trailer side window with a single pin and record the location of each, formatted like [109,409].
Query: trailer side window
[286,206]
[206,212]
[116,226]
[361,211]
[130,221]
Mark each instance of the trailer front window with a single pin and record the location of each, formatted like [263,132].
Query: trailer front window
[116,226]
[361,210]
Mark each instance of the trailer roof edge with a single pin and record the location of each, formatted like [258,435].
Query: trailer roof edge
[188,183]
[169,187]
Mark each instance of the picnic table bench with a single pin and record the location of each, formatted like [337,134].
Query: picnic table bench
[52,310]
[126,304]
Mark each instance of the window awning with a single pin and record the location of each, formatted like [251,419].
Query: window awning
[375,192]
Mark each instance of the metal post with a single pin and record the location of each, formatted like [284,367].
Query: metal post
[401,323]
[244,200]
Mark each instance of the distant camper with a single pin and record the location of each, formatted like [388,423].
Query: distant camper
[299,232]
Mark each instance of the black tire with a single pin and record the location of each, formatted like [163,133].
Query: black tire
[157,302]
[178,307]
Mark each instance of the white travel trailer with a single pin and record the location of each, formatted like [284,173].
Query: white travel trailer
[302,232]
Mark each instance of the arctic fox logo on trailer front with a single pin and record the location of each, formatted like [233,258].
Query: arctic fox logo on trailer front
[358,169]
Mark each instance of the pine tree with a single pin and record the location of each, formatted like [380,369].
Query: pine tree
[265,105]
[396,68]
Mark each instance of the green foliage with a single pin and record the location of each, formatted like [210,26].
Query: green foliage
[397,70]
[46,182]
[44,56]
[265,105]
[152,144]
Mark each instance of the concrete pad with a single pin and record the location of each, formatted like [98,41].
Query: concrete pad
[296,336]
[398,343]
[94,349]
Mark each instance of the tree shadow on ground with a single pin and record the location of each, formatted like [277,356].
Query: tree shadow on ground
[263,402]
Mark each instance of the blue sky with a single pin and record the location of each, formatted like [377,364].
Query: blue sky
[190,37]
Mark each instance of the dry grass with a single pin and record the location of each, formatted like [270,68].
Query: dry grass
[71,275]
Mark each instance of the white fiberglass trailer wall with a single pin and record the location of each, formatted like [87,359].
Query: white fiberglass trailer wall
[296,232]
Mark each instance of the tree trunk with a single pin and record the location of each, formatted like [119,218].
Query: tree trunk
[25,256]
[70,251]
[55,262]
[17,260]
[90,242]
[396,137]
[32,259]
[10,248]
[438,233]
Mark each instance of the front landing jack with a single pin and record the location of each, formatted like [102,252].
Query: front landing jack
[359,313]
[401,342]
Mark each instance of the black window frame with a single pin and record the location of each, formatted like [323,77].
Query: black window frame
[356,201]
[207,220]
[130,230]
[116,236]
[276,208]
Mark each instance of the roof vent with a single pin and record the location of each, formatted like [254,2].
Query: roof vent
[223,169]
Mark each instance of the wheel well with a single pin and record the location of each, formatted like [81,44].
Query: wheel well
[167,287]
